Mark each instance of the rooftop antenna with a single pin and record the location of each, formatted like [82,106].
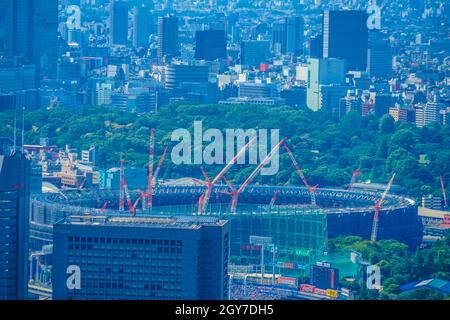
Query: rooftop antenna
[23,126]
[15,128]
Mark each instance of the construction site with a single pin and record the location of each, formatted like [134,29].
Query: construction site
[275,230]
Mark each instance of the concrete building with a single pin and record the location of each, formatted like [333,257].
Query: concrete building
[185,258]
[14,214]
[258,90]
[178,75]
[426,113]
[323,72]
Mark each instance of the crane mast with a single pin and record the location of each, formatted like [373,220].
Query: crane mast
[443,191]
[355,175]
[378,205]
[122,190]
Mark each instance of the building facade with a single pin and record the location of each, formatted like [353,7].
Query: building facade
[345,36]
[14,212]
[155,257]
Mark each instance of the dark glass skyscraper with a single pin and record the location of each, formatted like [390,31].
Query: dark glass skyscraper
[142,26]
[379,57]
[152,257]
[168,36]
[345,36]
[28,28]
[287,36]
[14,208]
[210,45]
[118,22]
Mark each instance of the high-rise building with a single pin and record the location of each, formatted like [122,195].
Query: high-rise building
[287,36]
[102,258]
[210,45]
[118,22]
[255,52]
[28,28]
[294,35]
[379,57]
[316,46]
[14,208]
[323,72]
[142,27]
[279,38]
[345,36]
[168,44]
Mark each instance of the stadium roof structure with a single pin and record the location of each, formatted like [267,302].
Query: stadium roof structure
[439,285]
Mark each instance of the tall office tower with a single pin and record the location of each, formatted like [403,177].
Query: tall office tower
[150,257]
[294,35]
[118,22]
[379,57]
[345,36]
[142,27]
[287,36]
[14,208]
[168,36]
[316,46]
[210,45]
[323,72]
[278,38]
[255,52]
[28,28]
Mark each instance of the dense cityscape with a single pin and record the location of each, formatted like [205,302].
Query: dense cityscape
[224,150]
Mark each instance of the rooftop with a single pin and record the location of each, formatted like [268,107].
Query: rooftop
[180,222]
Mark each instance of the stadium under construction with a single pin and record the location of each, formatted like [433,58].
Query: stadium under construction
[297,228]
[294,223]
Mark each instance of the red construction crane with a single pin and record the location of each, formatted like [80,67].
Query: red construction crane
[237,193]
[443,191]
[203,201]
[160,163]
[148,197]
[104,206]
[122,190]
[355,175]
[274,198]
[378,205]
[312,190]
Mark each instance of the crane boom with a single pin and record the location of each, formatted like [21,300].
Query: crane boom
[443,191]
[355,175]
[312,190]
[297,167]
[236,194]
[274,198]
[209,186]
[379,203]
[160,163]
